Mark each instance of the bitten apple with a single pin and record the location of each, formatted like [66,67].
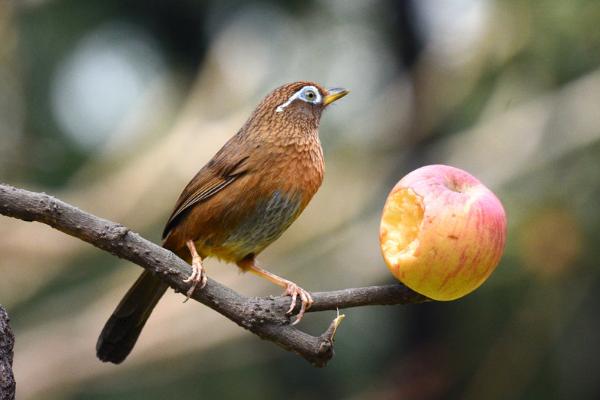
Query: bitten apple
[442,232]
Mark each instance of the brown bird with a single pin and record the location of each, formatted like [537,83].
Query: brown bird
[247,195]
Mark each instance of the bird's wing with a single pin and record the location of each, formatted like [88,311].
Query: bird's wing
[226,166]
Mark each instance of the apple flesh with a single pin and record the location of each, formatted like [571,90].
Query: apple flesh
[442,232]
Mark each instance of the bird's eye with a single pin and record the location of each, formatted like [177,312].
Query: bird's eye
[310,95]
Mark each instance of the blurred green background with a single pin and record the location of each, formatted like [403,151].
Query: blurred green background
[113,105]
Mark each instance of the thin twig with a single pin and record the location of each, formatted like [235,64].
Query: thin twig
[263,316]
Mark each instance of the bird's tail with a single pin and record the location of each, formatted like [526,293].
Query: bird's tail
[124,326]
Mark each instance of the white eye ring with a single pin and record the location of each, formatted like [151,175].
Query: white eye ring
[308,94]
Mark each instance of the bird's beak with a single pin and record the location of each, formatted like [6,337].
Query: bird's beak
[333,95]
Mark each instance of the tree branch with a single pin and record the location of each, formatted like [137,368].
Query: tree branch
[263,316]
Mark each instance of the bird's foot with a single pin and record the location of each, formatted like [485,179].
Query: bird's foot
[198,276]
[295,291]
[291,289]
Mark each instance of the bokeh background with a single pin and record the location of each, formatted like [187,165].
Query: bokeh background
[113,105]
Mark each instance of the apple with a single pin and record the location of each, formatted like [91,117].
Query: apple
[442,232]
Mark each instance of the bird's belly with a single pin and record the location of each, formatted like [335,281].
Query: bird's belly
[269,219]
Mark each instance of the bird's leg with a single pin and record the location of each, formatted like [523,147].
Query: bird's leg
[291,289]
[198,273]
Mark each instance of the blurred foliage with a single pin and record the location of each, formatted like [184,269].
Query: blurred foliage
[102,101]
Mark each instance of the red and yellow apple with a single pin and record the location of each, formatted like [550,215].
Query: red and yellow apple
[442,232]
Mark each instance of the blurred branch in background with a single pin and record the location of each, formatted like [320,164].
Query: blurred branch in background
[7,341]
[264,317]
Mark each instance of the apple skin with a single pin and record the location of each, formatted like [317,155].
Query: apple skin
[442,232]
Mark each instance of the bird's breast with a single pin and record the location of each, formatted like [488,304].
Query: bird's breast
[265,223]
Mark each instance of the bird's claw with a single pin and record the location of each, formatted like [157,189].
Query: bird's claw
[198,276]
[294,291]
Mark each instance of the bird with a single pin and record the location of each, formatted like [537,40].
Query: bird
[241,201]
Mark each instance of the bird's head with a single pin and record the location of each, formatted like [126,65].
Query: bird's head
[297,104]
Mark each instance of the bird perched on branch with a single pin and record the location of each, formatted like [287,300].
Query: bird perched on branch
[242,200]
